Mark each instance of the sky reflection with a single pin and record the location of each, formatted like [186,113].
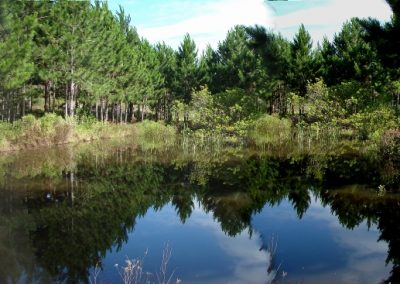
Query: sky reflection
[329,253]
[314,249]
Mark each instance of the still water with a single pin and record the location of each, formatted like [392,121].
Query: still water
[226,215]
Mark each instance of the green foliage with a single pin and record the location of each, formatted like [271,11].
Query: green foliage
[94,66]
[371,124]
[350,57]
[354,96]
[301,61]
[236,103]
[153,135]
[319,105]
[52,129]
[188,76]
[270,129]
[49,122]
[204,112]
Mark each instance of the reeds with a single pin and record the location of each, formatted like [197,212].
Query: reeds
[154,135]
[133,272]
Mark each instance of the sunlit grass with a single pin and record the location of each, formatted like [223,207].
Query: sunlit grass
[155,135]
[51,129]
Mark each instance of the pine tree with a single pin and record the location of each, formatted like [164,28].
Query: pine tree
[275,54]
[237,62]
[16,64]
[208,69]
[168,68]
[187,69]
[301,61]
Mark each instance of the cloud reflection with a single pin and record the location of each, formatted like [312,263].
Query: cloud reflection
[250,263]
[365,256]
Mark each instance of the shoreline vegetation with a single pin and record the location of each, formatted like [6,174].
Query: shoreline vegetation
[52,130]
[377,129]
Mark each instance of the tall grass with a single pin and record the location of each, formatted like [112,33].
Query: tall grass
[133,271]
[270,129]
[155,135]
[52,129]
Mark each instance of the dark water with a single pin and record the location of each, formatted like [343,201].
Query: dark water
[228,215]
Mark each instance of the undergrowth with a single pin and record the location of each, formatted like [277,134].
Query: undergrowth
[52,129]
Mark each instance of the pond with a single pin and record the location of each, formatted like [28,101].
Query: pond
[206,214]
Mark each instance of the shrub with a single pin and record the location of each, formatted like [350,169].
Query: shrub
[390,145]
[270,129]
[319,106]
[204,112]
[48,124]
[237,103]
[153,135]
[372,124]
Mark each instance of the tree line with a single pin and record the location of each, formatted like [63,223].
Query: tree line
[79,58]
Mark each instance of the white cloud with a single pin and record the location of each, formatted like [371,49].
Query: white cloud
[212,22]
[328,19]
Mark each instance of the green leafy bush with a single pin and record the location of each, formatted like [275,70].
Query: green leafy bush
[48,124]
[152,135]
[319,106]
[204,112]
[270,129]
[371,124]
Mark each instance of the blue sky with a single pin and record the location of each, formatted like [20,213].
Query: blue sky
[208,21]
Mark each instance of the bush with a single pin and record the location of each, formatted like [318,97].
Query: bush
[153,135]
[237,103]
[319,106]
[270,129]
[204,112]
[390,145]
[48,124]
[372,124]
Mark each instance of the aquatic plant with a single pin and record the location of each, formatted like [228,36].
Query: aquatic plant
[133,270]
[270,129]
[153,135]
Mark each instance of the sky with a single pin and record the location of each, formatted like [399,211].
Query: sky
[208,21]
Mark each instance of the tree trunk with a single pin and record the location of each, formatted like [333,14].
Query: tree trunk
[66,101]
[73,92]
[132,112]
[106,110]
[112,113]
[120,112]
[102,109]
[53,92]
[97,110]
[126,113]
[46,96]
[2,110]
[23,106]
[30,103]
[23,102]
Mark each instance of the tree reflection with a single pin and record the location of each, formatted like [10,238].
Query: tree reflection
[58,226]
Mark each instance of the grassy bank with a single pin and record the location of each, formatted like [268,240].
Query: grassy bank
[31,132]
[378,129]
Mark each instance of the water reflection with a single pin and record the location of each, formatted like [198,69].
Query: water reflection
[323,251]
[64,212]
